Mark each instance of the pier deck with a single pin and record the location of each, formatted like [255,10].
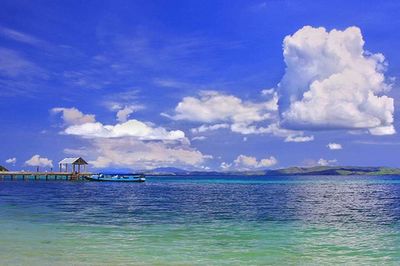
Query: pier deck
[43,176]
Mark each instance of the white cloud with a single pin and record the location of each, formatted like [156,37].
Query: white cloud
[334,146]
[124,113]
[239,116]
[289,135]
[213,106]
[73,116]
[384,130]
[249,162]
[118,101]
[324,162]
[22,37]
[225,166]
[36,160]
[122,104]
[243,162]
[85,126]
[199,138]
[134,154]
[130,128]
[14,65]
[12,160]
[291,138]
[266,92]
[135,145]
[331,82]
[204,128]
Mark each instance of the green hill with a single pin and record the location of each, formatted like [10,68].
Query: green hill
[334,170]
[3,169]
[316,170]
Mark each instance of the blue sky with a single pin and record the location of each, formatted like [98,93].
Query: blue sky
[199,84]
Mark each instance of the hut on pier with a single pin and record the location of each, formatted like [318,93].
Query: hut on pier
[74,163]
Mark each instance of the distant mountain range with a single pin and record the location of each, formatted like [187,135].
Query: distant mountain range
[316,170]
[168,170]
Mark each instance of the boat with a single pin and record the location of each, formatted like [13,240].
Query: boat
[117,177]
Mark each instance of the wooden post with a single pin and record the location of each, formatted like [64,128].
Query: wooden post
[60,167]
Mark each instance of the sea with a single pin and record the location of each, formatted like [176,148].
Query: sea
[202,220]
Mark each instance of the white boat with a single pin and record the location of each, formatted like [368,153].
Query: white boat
[117,177]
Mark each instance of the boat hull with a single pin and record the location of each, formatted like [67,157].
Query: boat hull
[117,178]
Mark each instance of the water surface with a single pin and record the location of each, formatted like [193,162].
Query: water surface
[221,220]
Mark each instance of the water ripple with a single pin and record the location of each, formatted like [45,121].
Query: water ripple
[207,220]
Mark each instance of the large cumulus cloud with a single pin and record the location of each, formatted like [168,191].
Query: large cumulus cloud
[331,82]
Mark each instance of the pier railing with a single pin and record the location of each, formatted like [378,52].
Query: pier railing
[43,176]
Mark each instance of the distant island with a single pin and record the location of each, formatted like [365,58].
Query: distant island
[315,170]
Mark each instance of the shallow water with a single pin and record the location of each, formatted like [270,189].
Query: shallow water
[220,220]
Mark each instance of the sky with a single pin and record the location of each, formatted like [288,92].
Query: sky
[199,85]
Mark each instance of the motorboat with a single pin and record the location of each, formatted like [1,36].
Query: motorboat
[117,177]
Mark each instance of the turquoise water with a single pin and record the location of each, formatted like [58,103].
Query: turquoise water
[202,221]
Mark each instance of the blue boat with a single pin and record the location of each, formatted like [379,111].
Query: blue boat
[117,177]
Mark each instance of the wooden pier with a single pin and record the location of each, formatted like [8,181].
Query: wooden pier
[43,176]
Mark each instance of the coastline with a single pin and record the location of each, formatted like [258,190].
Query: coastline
[291,171]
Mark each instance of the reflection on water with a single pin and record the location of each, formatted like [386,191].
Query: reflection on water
[199,220]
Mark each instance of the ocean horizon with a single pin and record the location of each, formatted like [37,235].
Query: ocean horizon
[202,220]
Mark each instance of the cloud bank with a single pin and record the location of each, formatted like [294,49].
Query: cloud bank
[130,128]
[134,154]
[131,144]
[86,126]
[222,111]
